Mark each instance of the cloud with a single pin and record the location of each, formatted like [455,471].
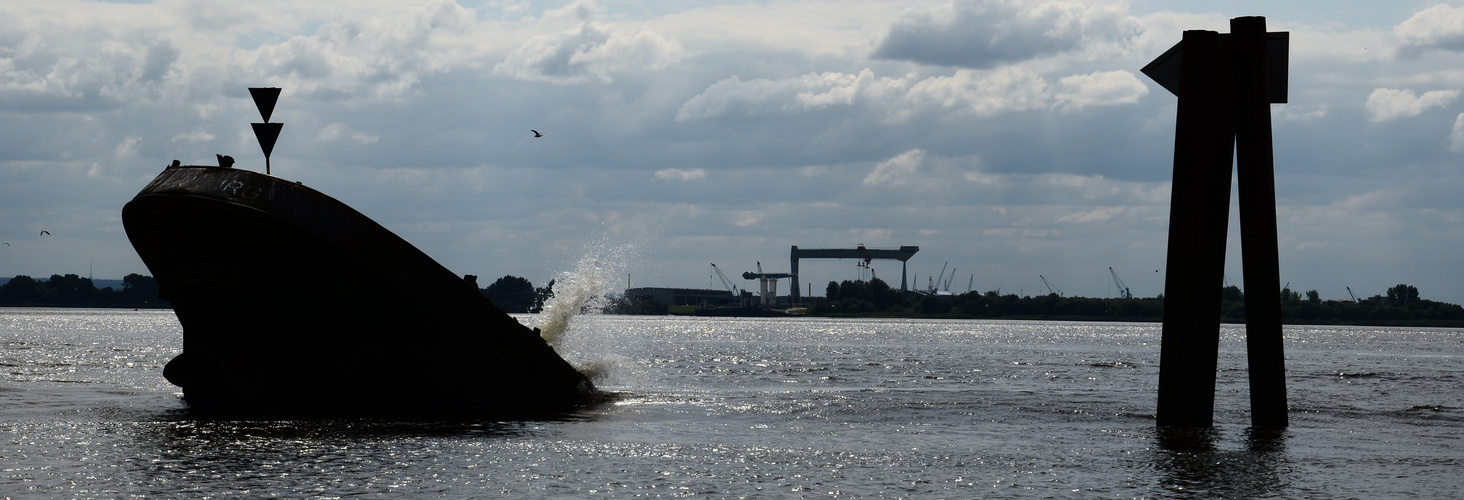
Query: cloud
[417,114]
[1388,104]
[587,50]
[894,171]
[1440,27]
[88,71]
[734,97]
[681,175]
[1102,88]
[194,137]
[1099,214]
[988,33]
[983,93]
[338,131]
[1456,136]
[363,58]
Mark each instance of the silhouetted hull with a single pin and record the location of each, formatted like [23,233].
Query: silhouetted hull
[292,303]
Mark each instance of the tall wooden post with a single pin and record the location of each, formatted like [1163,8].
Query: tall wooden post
[1225,85]
[1255,174]
[1198,220]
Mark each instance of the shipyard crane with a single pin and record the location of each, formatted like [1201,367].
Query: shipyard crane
[948,280]
[1123,290]
[1050,289]
[903,254]
[1354,297]
[730,287]
[935,285]
[768,284]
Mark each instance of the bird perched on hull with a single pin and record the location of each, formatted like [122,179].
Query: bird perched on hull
[537,133]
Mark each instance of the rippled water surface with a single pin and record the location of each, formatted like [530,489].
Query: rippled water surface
[762,408]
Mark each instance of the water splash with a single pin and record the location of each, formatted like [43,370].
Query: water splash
[598,275]
[581,291]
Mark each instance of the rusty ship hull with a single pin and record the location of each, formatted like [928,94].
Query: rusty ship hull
[294,304]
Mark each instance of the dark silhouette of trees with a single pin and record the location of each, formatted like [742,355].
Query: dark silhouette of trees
[1402,305]
[19,290]
[517,295]
[74,291]
[860,297]
[511,294]
[1402,294]
[139,288]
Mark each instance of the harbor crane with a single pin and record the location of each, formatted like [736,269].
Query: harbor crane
[1123,290]
[725,282]
[1050,289]
[935,284]
[1354,297]
[768,284]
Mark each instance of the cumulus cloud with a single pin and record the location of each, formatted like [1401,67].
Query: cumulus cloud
[1099,214]
[194,137]
[987,33]
[1440,27]
[339,131]
[677,174]
[895,171]
[1102,88]
[1456,136]
[1389,104]
[1015,89]
[373,58]
[982,93]
[82,71]
[587,50]
[734,97]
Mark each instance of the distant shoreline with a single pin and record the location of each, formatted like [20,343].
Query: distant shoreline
[1091,319]
[1149,319]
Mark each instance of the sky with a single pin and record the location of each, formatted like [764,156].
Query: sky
[1011,140]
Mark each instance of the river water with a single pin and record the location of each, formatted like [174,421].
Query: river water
[762,408]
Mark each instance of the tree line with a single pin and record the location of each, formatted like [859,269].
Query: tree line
[1401,304]
[74,291]
[510,293]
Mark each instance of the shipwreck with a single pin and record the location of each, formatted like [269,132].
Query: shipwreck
[294,304]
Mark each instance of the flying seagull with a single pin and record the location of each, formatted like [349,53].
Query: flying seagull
[45,233]
[537,133]
[7,243]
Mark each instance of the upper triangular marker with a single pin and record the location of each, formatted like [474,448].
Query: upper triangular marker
[264,99]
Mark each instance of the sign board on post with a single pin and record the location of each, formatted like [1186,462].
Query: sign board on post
[267,133]
[1164,70]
